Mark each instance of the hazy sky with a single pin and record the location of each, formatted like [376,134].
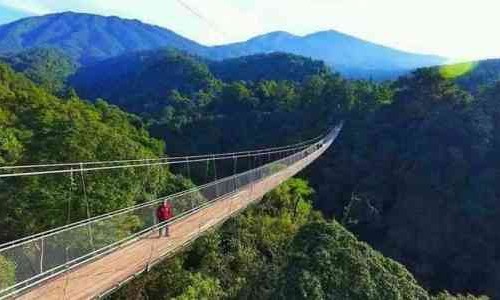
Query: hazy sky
[452,28]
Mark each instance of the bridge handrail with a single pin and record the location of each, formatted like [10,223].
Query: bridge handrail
[124,210]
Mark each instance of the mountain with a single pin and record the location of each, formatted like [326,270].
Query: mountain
[89,38]
[349,55]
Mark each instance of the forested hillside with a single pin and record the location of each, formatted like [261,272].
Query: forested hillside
[416,179]
[274,66]
[88,38]
[50,68]
[479,74]
[149,81]
[36,127]
[143,81]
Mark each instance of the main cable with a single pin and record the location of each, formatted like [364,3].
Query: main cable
[173,158]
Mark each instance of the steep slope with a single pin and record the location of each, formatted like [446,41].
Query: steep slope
[88,38]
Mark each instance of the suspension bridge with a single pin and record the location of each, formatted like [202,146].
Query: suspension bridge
[93,257]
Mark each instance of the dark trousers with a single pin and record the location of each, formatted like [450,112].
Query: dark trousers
[163,230]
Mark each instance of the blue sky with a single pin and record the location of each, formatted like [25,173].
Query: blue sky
[460,29]
[8,14]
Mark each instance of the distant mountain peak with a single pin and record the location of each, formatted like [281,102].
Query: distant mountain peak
[329,32]
[275,35]
[279,33]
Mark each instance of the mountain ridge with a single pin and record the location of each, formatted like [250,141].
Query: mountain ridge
[89,38]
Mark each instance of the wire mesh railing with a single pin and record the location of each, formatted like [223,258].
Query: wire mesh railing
[31,261]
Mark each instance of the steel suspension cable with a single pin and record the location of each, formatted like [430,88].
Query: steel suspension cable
[172,159]
[146,162]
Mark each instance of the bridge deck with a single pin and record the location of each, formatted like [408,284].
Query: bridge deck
[96,278]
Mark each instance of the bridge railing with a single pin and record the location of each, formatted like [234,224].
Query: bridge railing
[34,260]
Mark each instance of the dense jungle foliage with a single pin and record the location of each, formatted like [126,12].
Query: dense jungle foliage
[412,174]
[36,127]
[49,68]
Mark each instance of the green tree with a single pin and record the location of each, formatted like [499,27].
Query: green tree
[7,273]
[201,288]
[327,262]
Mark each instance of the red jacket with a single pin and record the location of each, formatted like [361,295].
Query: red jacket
[164,212]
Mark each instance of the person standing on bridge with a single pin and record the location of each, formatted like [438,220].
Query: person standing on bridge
[164,213]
